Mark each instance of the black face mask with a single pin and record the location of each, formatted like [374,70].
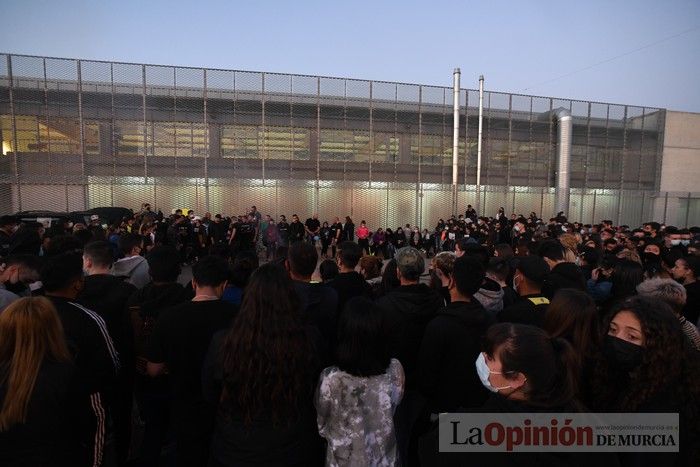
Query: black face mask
[621,354]
[651,257]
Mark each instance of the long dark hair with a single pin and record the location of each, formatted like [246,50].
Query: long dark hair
[572,315]
[625,278]
[549,364]
[268,356]
[668,363]
[362,349]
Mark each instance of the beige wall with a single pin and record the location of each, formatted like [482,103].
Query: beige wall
[681,154]
[680,171]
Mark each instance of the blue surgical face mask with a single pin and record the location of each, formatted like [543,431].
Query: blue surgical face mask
[483,371]
[685,242]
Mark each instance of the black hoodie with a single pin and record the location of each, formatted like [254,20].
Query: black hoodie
[146,304]
[446,364]
[408,310]
[108,296]
[563,275]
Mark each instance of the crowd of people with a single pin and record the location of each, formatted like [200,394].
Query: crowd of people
[327,343]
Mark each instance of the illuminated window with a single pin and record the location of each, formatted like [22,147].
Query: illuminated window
[249,141]
[431,149]
[164,139]
[55,136]
[386,147]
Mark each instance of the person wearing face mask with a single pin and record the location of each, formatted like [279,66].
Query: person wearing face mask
[673,241]
[686,271]
[646,365]
[525,371]
[530,308]
[651,257]
[451,343]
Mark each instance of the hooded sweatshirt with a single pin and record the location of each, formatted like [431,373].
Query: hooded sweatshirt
[490,295]
[452,342]
[134,270]
[107,296]
[408,310]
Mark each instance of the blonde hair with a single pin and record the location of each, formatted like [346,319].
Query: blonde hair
[570,244]
[445,262]
[630,255]
[30,333]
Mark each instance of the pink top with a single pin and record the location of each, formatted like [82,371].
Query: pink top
[362,232]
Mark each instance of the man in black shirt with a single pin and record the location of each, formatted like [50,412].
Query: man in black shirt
[313,227]
[283,232]
[145,306]
[349,283]
[179,343]
[336,234]
[318,301]
[452,343]
[296,230]
[246,233]
[108,295]
[89,342]
[217,231]
[530,308]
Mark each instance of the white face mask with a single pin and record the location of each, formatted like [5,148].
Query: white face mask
[675,242]
[483,371]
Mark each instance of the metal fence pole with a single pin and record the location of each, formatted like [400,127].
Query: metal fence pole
[81,124]
[15,146]
[207,151]
[595,201]
[145,125]
[687,210]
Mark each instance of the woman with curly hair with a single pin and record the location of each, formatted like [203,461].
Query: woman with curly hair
[262,374]
[648,366]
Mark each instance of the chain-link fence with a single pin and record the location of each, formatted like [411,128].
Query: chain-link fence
[78,134]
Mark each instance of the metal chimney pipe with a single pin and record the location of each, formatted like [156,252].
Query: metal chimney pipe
[478,145]
[455,136]
[563,175]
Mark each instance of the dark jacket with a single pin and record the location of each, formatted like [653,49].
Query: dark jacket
[296,232]
[48,437]
[146,304]
[446,371]
[348,285]
[408,310]
[108,296]
[320,306]
[563,275]
[430,456]
[528,309]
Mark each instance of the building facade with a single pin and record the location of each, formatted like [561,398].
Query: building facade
[78,134]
